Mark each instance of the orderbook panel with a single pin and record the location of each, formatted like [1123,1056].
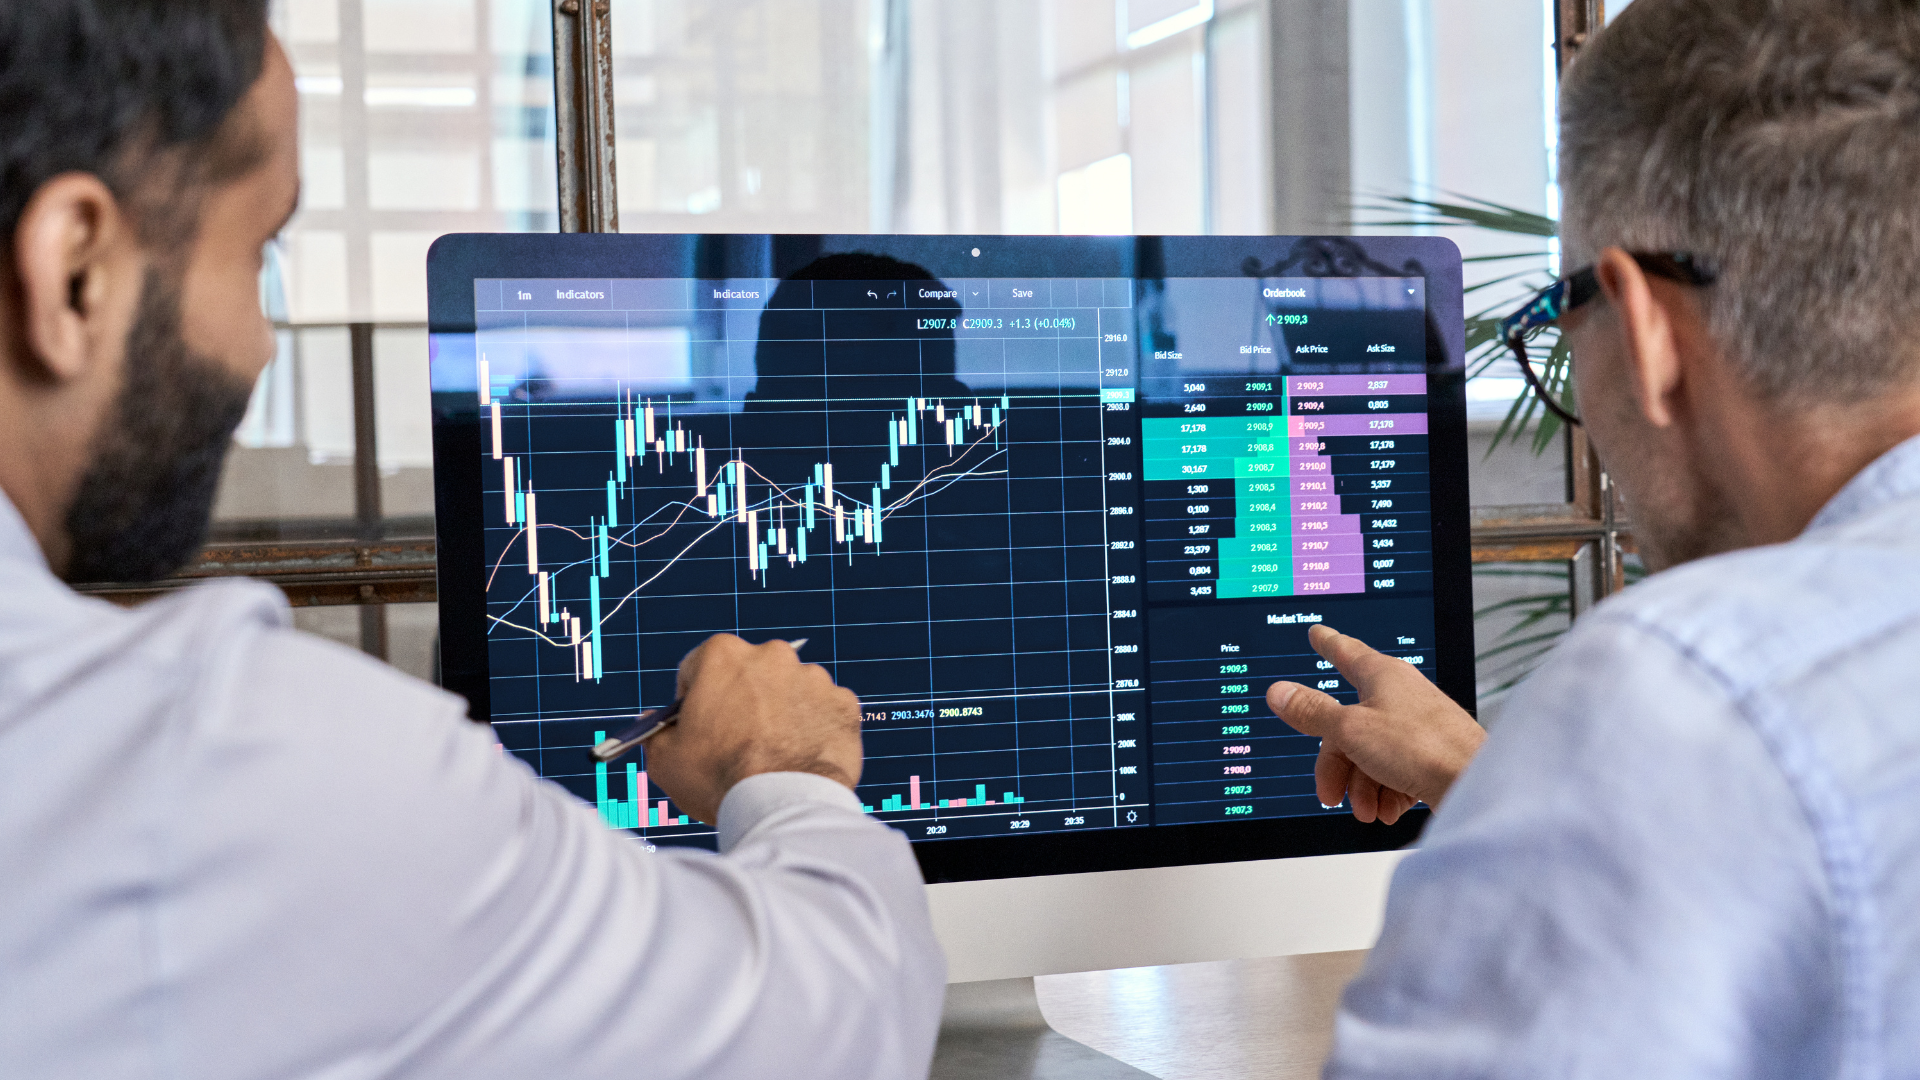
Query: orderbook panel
[1285,480]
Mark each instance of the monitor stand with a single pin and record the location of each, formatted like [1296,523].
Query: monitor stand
[993,1030]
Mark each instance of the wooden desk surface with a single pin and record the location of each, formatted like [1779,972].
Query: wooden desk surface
[1240,1019]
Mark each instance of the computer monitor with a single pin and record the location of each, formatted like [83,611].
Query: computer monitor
[1058,509]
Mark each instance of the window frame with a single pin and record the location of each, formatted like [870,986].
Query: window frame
[1589,533]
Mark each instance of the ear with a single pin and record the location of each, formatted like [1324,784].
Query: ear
[1653,361]
[72,253]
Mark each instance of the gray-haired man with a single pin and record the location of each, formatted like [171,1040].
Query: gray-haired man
[1690,848]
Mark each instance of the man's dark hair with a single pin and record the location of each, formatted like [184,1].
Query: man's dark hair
[142,94]
[135,92]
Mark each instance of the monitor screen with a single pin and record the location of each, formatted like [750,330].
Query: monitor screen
[1059,533]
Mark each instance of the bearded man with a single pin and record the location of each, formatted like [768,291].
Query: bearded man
[228,850]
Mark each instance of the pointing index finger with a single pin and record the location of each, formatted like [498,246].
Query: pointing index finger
[1322,638]
[1305,709]
[1354,659]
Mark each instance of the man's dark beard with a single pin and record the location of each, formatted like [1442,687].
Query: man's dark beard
[142,508]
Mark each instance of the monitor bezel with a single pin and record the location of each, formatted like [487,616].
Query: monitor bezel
[457,260]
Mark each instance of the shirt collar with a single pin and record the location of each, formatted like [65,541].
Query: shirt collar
[16,540]
[1893,475]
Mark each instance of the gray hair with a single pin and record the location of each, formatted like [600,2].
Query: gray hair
[1781,139]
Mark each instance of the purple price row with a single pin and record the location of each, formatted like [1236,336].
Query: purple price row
[1356,424]
[1342,385]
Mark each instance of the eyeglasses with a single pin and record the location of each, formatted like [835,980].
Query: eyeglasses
[1558,299]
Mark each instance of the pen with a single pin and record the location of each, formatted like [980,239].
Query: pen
[647,725]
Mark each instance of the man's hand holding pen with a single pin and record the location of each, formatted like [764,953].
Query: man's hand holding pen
[749,709]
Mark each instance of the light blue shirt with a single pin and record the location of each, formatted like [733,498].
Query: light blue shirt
[231,851]
[1691,845]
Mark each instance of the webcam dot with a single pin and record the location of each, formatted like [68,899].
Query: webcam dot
[976,253]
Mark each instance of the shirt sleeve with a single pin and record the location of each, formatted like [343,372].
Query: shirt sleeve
[1622,884]
[379,890]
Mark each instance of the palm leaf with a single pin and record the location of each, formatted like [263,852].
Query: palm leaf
[1501,280]
[1540,254]
[1484,347]
[1478,213]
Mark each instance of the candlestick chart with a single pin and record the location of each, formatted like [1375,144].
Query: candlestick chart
[946,551]
[777,521]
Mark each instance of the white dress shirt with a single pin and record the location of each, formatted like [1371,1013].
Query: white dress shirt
[231,850]
[1691,845]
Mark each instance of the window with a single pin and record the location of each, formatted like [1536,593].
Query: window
[420,117]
